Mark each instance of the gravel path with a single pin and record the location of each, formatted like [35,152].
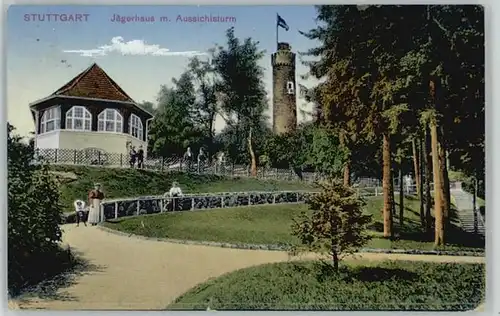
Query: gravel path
[135,274]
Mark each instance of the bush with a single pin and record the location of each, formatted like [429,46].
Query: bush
[337,225]
[34,215]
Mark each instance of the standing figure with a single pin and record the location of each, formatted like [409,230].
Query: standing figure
[133,155]
[140,158]
[188,158]
[95,197]
[201,159]
[80,212]
[221,162]
[409,183]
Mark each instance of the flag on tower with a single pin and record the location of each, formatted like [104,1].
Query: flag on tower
[281,22]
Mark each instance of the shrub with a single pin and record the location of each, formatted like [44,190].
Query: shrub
[337,225]
[34,215]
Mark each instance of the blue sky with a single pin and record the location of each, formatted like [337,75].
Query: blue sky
[37,63]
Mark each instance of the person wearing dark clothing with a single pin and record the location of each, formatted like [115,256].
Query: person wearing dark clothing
[133,156]
[201,160]
[140,158]
[80,213]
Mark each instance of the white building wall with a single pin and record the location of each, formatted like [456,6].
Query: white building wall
[114,144]
[48,140]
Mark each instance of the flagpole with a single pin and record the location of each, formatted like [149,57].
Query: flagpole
[277,42]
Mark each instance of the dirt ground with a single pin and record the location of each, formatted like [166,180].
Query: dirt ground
[127,273]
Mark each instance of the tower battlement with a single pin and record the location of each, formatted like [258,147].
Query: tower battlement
[283,56]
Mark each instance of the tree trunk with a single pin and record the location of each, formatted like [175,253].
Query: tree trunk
[347,173]
[443,176]
[420,181]
[335,259]
[438,187]
[253,163]
[401,200]
[428,170]
[416,164]
[387,185]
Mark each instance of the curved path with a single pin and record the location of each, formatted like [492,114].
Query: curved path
[136,274]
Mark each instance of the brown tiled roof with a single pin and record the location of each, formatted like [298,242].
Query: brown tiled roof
[94,83]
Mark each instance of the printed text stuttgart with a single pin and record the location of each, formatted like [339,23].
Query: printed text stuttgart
[56,17]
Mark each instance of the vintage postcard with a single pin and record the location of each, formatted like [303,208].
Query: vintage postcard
[325,157]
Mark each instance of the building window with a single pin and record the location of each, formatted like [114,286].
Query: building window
[135,126]
[51,120]
[110,120]
[289,87]
[78,118]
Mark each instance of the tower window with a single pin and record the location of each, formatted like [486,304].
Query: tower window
[289,87]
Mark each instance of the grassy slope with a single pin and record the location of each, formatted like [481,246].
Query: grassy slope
[270,224]
[130,183]
[396,285]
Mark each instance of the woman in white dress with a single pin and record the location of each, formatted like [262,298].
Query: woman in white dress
[95,197]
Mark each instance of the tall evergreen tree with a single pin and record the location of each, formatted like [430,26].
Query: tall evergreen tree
[241,88]
[173,128]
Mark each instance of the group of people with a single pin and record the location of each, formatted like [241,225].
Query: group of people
[189,158]
[136,157]
[91,212]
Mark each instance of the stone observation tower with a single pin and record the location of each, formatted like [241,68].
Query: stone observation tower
[284,98]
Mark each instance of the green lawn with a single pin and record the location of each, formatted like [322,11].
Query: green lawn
[309,285]
[119,183]
[270,224]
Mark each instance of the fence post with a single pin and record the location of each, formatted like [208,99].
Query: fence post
[55,155]
[376,191]
[99,158]
[161,206]
[297,194]
[192,203]
[74,157]
[249,199]
[121,160]
[222,202]
[116,210]
[138,207]
[101,212]
[274,198]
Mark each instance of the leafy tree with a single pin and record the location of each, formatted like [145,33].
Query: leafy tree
[173,128]
[288,149]
[34,215]
[205,108]
[327,155]
[337,225]
[241,88]
[230,141]
[148,106]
